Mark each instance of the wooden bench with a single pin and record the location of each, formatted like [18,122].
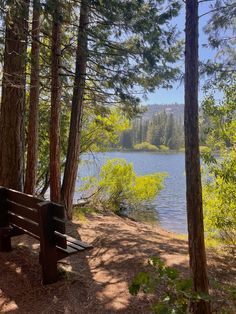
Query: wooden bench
[24,214]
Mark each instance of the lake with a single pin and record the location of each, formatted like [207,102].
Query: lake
[170,204]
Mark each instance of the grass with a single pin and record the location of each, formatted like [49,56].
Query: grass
[81,212]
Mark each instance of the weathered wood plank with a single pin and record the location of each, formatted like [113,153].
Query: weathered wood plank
[75,246]
[23,211]
[60,240]
[78,242]
[58,225]
[23,199]
[62,253]
[24,224]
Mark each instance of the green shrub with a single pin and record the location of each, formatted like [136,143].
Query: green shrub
[118,186]
[164,148]
[145,146]
[219,190]
[204,149]
[219,200]
[174,293]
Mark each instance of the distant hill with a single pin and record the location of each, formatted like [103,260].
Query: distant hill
[176,109]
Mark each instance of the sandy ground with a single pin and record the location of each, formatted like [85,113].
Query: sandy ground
[97,281]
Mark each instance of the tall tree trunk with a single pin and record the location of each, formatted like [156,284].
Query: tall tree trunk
[55,171]
[13,97]
[73,150]
[192,163]
[32,152]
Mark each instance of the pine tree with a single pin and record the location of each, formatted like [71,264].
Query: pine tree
[74,141]
[193,173]
[32,136]
[55,163]
[13,96]
[220,29]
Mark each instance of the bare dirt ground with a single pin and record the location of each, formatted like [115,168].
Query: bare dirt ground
[97,281]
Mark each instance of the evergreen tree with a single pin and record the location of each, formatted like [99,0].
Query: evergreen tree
[126,139]
[55,163]
[221,32]
[13,96]
[74,141]
[169,131]
[32,136]
[192,161]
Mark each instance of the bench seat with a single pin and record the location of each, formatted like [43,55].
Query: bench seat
[45,221]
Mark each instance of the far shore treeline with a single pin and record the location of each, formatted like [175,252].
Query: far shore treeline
[159,128]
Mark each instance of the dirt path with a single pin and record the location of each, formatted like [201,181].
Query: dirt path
[97,281]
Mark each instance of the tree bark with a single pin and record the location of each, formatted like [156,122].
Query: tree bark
[55,171]
[73,150]
[32,139]
[13,97]
[192,163]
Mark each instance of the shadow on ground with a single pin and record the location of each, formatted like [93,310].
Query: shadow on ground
[95,281]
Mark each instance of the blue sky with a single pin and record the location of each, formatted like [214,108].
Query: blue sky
[176,95]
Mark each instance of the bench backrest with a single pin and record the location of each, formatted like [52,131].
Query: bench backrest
[42,220]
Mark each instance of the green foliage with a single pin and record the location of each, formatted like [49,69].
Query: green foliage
[221,124]
[220,29]
[136,45]
[164,148]
[204,150]
[219,191]
[80,212]
[118,186]
[102,129]
[174,292]
[219,196]
[145,146]
[130,45]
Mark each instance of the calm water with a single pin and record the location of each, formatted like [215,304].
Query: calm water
[170,203]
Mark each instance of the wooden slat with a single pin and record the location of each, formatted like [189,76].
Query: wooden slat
[60,240]
[23,211]
[23,199]
[70,250]
[22,223]
[62,253]
[75,246]
[78,242]
[58,225]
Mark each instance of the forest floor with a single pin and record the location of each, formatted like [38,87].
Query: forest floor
[97,281]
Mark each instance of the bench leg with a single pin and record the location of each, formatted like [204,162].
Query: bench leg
[5,243]
[49,268]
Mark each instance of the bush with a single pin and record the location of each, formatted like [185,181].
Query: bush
[204,149]
[174,293]
[118,186]
[145,146]
[219,192]
[164,148]
[219,200]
